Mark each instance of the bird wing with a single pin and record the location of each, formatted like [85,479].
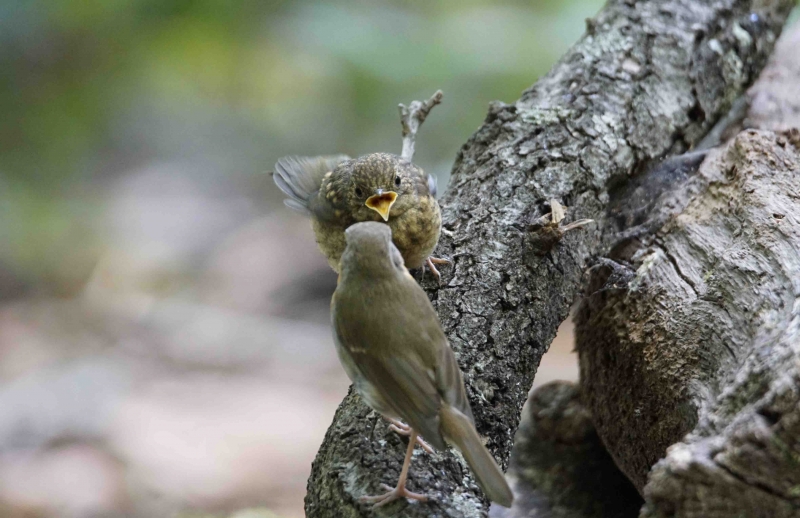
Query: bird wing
[393,355]
[408,390]
[299,177]
[450,382]
[447,376]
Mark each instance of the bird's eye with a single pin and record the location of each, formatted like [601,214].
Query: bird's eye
[397,180]
[359,192]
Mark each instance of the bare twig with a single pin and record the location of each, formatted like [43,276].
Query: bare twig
[411,118]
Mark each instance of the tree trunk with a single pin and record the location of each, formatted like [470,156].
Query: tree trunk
[693,350]
[649,78]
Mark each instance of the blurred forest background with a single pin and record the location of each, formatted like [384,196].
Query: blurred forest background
[164,339]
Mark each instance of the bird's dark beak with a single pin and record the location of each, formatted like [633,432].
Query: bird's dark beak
[382,202]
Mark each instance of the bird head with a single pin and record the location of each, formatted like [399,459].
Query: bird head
[380,186]
[370,251]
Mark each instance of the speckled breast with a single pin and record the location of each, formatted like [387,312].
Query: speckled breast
[416,232]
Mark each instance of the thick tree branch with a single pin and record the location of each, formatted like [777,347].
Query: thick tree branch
[692,353]
[648,78]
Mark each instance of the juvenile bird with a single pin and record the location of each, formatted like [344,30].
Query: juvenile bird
[392,347]
[336,191]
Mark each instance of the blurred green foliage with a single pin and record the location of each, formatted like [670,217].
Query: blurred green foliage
[90,89]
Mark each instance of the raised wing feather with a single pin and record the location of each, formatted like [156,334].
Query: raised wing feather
[299,177]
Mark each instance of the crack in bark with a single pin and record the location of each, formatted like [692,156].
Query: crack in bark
[755,484]
[677,269]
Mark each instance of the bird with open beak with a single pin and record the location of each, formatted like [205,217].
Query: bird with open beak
[337,191]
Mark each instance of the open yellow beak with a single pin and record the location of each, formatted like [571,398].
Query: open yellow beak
[382,203]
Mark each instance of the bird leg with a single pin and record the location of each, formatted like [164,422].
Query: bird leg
[431,261]
[403,429]
[400,490]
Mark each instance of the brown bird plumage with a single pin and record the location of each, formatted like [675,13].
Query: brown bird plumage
[336,191]
[392,347]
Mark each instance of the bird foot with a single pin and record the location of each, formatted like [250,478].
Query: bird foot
[392,494]
[430,262]
[403,429]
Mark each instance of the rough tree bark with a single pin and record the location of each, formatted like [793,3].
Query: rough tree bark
[649,78]
[691,354]
[559,466]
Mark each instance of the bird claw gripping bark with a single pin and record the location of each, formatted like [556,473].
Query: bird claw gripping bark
[399,491]
[431,263]
[392,494]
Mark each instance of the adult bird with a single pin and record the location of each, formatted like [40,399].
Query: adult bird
[393,348]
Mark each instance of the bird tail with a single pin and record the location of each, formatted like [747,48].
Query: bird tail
[300,176]
[460,431]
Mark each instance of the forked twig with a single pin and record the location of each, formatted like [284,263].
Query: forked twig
[412,117]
